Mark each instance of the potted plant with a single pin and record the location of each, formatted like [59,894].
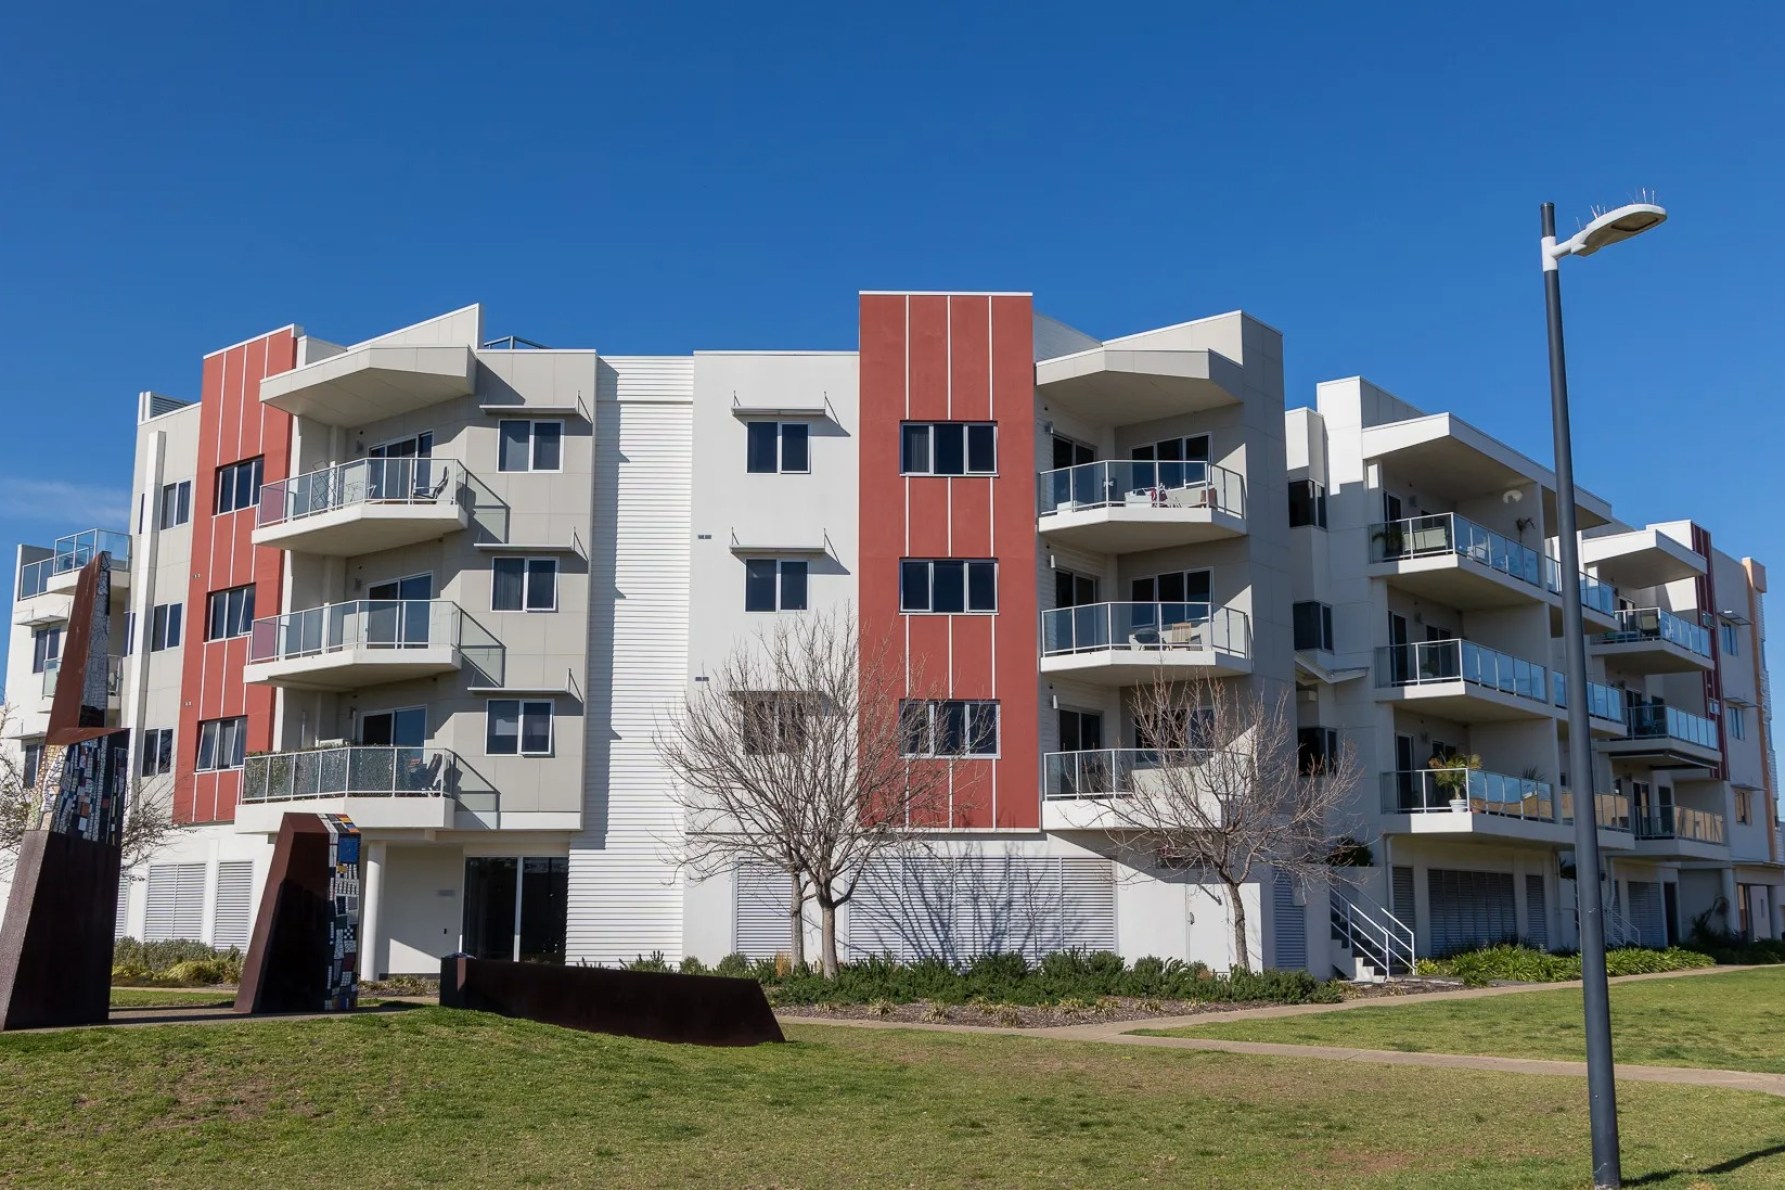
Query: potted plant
[1451,772]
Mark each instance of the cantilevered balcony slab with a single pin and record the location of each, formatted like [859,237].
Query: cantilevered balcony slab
[1129,644]
[1654,640]
[372,382]
[1121,506]
[1464,681]
[363,507]
[349,646]
[1641,558]
[1118,386]
[1666,737]
[379,787]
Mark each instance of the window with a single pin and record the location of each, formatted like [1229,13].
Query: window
[46,649]
[1175,729]
[517,727]
[158,752]
[230,614]
[950,727]
[1317,748]
[238,486]
[524,585]
[773,720]
[1185,586]
[778,447]
[531,446]
[948,448]
[129,633]
[1743,811]
[221,744]
[774,585]
[1313,626]
[946,586]
[33,764]
[1307,503]
[1174,450]
[176,503]
[1732,639]
[164,629]
[1738,722]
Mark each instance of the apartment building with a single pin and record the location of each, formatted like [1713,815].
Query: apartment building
[452,586]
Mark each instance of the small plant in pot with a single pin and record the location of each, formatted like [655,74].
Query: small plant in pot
[1451,773]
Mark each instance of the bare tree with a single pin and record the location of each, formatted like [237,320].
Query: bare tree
[148,820]
[1221,786]
[799,752]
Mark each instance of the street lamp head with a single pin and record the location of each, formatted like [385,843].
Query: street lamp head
[1609,228]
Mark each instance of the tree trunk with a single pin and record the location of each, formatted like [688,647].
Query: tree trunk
[828,919]
[796,920]
[1241,959]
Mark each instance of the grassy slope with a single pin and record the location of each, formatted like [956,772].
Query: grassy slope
[169,998]
[1733,1022]
[438,1096]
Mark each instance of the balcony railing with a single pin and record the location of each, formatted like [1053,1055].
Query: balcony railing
[1109,772]
[1446,533]
[1136,484]
[114,676]
[71,553]
[1143,627]
[1610,810]
[1679,822]
[363,481]
[1653,623]
[1595,595]
[1425,791]
[1603,702]
[1431,662]
[360,770]
[1655,721]
[364,623]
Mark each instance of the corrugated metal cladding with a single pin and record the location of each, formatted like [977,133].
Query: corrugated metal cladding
[123,921]
[234,911]
[1646,912]
[176,902]
[759,921]
[1470,909]
[625,895]
[1289,949]
[956,908]
[1536,913]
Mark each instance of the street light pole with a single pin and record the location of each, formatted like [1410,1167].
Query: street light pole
[1601,1088]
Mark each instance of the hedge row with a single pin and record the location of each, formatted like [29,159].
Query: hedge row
[178,962]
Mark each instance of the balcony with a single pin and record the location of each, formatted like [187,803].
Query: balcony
[1121,644]
[1681,833]
[1598,600]
[1667,737]
[345,646]
[1652,640]
[1078,787]
[377,787]
[114,682]
[1456,562]
[59,571]
[1119,506]
[1605,706]
[1114,386]
[1461,680]
[1610,810]
[1464,801]
[372,382]
[362,507]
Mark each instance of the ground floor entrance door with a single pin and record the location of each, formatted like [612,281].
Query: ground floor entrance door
[515,907]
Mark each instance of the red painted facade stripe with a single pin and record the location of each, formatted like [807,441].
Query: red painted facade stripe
[961,357]
[232,427]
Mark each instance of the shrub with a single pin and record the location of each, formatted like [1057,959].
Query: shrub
[693,966]
[654,963]
[154,957]
[734,965]
[1525,964]
[200,973]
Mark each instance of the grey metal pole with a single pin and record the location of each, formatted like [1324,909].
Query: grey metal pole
[1601,1090]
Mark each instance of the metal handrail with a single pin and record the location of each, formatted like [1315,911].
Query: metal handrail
[1427,662]
[1144,627]
[1655,623]
[1142,483]
[1435,790]
[1603,702]
[1682,822]
[353,770]
[1447,533]
[1369,930]
[363,623]
[114,675]
[70,553]
[361,481]
[1108,772]
[1611,811]
[1656,720]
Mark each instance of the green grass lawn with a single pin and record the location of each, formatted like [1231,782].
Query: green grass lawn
[170,997]
[1734,1021]
[429,1095]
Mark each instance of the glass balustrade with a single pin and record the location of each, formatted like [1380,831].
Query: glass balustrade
[348,771]
[1110,772]
[1137,484]
[1656,721]
[1447,533]
[1653,623]
[1429,662]
[363,481]
[364,623]
[1146,627]
[1430,790]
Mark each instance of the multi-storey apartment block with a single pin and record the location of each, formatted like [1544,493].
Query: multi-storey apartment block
[453,587]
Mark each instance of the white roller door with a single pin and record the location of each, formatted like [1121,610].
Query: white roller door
[176,902]
[1289,921]
[123,921]
[1647,914]
[956,908]
[759,925]
[1470,909]
[235,905]
[1536,913]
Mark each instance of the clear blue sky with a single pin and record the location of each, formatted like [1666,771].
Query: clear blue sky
[1365,178]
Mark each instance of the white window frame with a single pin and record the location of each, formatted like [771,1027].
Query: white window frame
[932,709]
[233,616]
[781,467]
[929,429]
[258,463]
[181,492]
[1732,639]
[522,706]
[360,717]
[219,733]
[527,563]
[166,624]
[1738,721]
[967,609]
[152,739]
[532,424]
[780,607]
[32,765]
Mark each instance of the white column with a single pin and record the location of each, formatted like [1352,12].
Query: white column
[371,934]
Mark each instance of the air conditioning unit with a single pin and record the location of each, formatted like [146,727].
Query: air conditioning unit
[331,743]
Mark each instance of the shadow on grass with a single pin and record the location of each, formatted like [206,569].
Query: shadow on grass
[1729,1166]
[202,1014]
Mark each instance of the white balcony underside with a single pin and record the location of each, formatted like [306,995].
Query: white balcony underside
[371,383]
[1458,582]
[354,667]
[364,528]
[1120,528]
[1652,656]
[1465,702]
[38,611]
[1132,667]
[1115,386]
[1685,849]
[1495,830]
[65,581]
[368,813]
[1662,752]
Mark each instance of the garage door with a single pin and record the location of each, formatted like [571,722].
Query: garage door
[759,925]
[1536,913]
[1289,923]
[954,909]
[235,905]
[1646,913]
[1470,909]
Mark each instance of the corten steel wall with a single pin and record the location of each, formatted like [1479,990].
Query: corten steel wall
[957,357]
[233,426]
[1706,584]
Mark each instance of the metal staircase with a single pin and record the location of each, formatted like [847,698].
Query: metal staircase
[1374,945]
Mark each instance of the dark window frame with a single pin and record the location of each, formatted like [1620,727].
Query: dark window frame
[940,575]
[964,442]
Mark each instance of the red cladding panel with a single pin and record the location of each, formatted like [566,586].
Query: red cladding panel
[233,426]
[959,357]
